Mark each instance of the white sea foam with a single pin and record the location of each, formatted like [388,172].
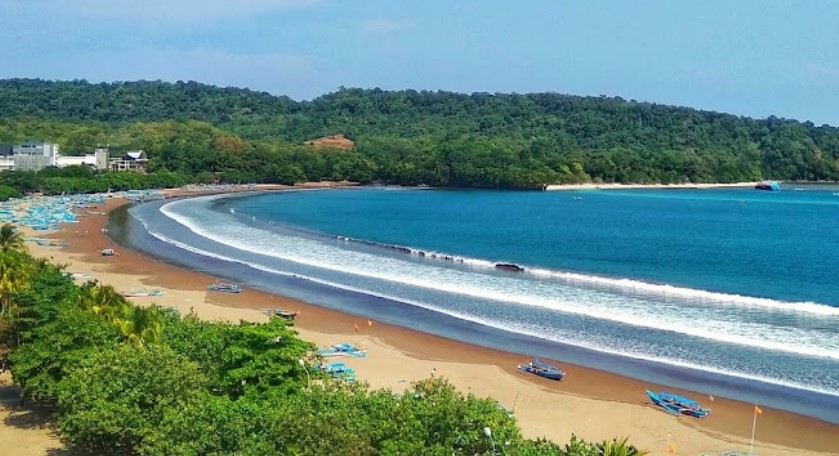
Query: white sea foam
[719,321]
[539,333]
[617,284]
[689,293]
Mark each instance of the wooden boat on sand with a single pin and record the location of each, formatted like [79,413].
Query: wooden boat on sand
[224,287]
[543,370]
[142,293]
[678,405]
[286,314]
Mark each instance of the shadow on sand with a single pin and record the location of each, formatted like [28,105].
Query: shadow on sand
[31,416]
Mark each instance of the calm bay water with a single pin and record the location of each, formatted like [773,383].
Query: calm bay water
[728,292]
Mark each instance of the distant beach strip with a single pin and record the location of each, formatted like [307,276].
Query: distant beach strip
[590,186]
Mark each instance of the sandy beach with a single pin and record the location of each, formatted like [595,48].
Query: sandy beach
[592,404]
[591,186]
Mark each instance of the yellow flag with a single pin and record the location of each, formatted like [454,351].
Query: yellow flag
[671,449]
[758,411]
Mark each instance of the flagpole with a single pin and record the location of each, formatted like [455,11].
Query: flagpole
[754,425]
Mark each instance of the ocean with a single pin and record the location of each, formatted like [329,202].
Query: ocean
[728,292]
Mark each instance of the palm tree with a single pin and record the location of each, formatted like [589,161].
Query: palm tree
[141,326]
[15,271]
[11,240]
[14,278]
[102,300]
[617,447]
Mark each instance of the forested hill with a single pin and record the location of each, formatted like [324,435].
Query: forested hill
[412,137]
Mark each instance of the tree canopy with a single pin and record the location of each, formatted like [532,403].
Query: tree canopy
[415,137]
[126,380]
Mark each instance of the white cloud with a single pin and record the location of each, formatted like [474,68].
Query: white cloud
[384,26]
[165,11]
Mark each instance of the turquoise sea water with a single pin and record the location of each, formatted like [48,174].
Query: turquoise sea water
[733,292]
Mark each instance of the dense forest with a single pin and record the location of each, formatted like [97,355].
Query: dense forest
[414,137]
[128,380]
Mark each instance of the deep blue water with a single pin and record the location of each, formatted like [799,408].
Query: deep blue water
[727,292]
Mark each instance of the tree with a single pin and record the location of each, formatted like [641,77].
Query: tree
[11,240]
[242,358]
[140,326]
[55,348]
[404,137]
[116,400]
[15,269]
[620,447]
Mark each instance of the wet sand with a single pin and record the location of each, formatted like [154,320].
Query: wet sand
[592,404]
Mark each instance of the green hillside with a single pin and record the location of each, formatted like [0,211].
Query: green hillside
[416,137]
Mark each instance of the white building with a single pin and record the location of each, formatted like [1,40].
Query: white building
[98,159]
[31,156]
[6,160]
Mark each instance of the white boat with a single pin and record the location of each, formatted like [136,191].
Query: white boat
[142,293]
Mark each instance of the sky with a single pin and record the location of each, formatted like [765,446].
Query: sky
[748,57]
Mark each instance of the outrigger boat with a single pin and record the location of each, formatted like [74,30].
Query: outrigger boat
[342,350]
[286,314]
[142,293]
[224,287]
[544,370]
[678,405]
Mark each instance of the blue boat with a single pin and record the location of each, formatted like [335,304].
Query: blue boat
[338,371]
[770,186]
[678,405]
[342,350]
[541,369]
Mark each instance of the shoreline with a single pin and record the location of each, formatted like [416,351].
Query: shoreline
[614,186]
[247,268]
[592,404]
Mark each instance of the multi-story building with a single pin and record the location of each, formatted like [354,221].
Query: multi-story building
[6,160]
[32,156]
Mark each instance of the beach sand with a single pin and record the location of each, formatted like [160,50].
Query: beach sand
[590,186]
[592,404]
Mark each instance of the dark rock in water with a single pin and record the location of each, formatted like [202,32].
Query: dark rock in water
[509,267]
